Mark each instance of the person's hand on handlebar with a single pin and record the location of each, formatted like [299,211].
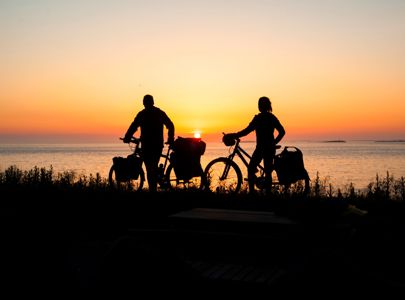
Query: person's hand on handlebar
[126,140]
[170,141]
[233,136]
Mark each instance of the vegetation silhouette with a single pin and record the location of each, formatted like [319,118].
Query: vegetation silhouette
[74,233]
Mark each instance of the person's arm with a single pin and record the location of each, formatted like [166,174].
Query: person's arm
[132,129]
[170,128]
[281,132]
[248,129]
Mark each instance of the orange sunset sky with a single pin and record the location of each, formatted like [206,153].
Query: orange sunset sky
[78,70]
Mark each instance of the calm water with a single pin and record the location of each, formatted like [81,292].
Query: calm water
[355,162]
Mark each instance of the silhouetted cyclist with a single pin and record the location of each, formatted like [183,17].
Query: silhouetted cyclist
[151,121]
[264,124]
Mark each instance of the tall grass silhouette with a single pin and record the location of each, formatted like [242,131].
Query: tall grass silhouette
[384,193]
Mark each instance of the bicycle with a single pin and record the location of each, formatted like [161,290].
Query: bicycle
[223,175]
[130,174]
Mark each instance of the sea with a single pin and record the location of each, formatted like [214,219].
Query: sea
[339,163]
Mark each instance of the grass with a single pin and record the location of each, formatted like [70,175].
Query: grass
[385,195]
[385,188]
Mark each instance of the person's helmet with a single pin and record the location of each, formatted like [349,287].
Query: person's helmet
[264,104]
[228,140]
[148,101]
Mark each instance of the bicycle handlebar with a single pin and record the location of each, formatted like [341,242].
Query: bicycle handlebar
[132,140]
[238,140]
[138,140]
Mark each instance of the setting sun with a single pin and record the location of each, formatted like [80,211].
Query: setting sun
[197,134]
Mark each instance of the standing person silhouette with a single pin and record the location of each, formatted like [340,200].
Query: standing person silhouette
[264,124]
[151,121]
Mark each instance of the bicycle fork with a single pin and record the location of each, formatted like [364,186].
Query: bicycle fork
[162,180]
[228,164]
[226,171]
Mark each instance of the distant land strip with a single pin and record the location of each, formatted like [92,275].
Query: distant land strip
[390,141]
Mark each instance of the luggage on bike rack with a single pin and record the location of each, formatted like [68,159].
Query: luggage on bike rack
[289,166]
[186,157]
[127,168]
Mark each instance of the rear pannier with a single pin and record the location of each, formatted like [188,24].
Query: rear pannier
[186,157]
[289,165]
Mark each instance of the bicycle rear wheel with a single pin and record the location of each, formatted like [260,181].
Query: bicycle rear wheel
[300,187]
[172,182]
[222,175]
[131,184]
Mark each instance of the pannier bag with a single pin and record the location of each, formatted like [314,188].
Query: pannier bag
[186,157]
[127,168]
[289,166]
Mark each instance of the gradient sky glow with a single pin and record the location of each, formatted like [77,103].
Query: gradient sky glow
[333,69]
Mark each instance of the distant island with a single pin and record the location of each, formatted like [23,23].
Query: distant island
[390,141]
[335,141]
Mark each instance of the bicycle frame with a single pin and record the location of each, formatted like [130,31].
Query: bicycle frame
[137,142]
[138,150]
[163,177]
[120,176]
[224,174]
[166,176]
[245,158]
[242,154]
[166,158]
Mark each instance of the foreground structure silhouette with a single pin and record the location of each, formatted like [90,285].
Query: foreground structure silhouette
[76,241]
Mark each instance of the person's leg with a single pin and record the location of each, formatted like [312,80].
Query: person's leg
[252,168]
[151,158]
[268,159]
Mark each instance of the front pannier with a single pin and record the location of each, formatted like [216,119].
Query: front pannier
[186,157]
[127,168]
[289,166]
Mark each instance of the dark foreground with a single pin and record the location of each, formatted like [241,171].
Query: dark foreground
[91,243]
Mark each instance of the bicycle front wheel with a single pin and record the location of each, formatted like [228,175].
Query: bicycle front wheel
[130,184]
[172,182]
[222,175]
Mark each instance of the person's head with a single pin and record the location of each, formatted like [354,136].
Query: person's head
[148,101]
[264,104]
